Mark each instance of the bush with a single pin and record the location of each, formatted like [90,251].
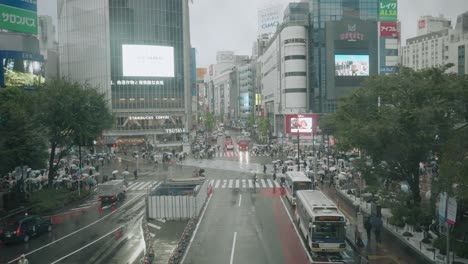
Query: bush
[47,201]
[396,221]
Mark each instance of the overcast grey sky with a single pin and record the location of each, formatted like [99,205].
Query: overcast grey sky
[232,25]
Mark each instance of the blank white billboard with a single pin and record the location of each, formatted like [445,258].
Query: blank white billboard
[147,61]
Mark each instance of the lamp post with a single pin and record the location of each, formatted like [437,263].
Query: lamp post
[298,153]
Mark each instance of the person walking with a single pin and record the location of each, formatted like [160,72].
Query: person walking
[135,173]
[264,169]
[23,260]
[368,227]
[377,224]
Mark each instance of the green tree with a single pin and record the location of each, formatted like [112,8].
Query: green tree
[72,113]
[400,119]
[264,128]
[22,140]
[251,120]
[210,121]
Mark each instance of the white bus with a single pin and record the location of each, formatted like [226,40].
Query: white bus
[320,221]
[296,181]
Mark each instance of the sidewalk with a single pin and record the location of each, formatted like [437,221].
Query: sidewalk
[425,251]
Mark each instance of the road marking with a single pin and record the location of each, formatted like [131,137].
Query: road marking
[295,228]
[212,183]
[217,184]
[257,185]
[136,186]
[250,184]
[240,199]
[196,228]
[79,230]
[224,184]
[152,235]
[87,245]
[263,183]
[230,184]
[154,226]
[237,183]
[270,185]
[244,183]
[233,248]
[276,184]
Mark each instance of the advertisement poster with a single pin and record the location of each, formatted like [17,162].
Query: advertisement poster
[388,29]
[388,10]
[147,61]
[269,18]
[20,20]
[302,124]
[351,65]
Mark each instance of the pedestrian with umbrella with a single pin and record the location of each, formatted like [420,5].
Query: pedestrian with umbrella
[114,174]
[135,173]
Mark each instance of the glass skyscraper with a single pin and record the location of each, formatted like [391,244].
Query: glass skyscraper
[138,53]
[321,12]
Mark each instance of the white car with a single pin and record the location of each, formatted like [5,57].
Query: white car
[229,146]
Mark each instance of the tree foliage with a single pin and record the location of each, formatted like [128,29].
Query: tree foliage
[21,137]
[263,128]
[400,119]
[73,113]
[210,121]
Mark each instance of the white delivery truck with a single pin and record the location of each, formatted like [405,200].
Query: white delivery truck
[112,191]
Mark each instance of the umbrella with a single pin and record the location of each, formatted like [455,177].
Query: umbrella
[85,175]
[321,172]
[126,173]
[332,169]
[115,172]
[92,168]
[100,159]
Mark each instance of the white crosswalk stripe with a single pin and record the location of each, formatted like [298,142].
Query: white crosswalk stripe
[141,186]
[244,183]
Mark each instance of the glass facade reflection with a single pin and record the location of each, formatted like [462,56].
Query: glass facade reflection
[321,12]
[92,34]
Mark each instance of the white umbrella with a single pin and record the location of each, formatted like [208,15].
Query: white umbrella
[92,168]
[100,159]
[332,169]
[126,173]
[85,175]
[321,172]
[115,172]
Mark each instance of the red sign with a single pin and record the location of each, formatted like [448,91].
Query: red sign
[388,29]
[302,124]
[421,24]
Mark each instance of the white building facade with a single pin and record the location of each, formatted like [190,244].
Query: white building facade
[284,75]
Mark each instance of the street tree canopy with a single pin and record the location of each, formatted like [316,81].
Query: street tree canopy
[21,136]
[210,121]
[72,113]
[400,119]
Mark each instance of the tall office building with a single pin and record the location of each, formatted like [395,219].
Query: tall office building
[343,49]
[429,24]
[138,53]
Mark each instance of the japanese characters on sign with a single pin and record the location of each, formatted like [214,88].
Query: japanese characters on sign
[388,10]
[388,29]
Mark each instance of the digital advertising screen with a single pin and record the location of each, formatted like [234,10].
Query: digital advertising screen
[22,73]
[301,124]
[147,61]
[351,65]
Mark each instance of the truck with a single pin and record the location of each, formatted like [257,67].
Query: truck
[112,191]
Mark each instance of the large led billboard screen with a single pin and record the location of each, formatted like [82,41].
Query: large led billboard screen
[351,65]
[302,124]
[147,61]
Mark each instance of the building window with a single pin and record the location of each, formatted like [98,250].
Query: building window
[288,74]
[295,40]
[295,57]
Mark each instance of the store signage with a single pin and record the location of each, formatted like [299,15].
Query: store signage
[421,24]
[139,82]
[352,34]
[388,29]
[175,130]
[30,5]
[148,117]
[269,19]
[19,20]
[388,10]
[387,69]
[451,211]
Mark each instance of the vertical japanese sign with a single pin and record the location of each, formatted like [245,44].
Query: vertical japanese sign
[451,211]
[388,10]
[19,15]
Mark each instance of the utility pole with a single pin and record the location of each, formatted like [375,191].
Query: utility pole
[298,153]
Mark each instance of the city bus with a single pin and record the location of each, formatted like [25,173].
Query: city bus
[296,181]
[320,222]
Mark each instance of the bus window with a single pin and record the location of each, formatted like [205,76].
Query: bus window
[328,231]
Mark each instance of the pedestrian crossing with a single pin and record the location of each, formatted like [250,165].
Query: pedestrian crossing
[216,184]
[237,154]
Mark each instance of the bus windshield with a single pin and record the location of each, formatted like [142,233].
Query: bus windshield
[328,232]
[302,186]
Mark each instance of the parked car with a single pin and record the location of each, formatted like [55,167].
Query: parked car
[23,228]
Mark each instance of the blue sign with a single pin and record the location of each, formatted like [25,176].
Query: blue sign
[30,5]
